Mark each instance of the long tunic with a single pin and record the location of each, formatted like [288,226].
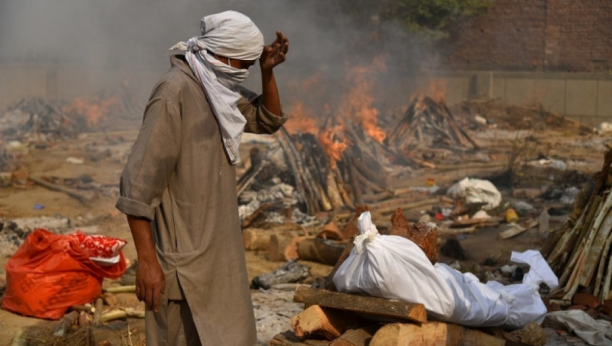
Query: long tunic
[179,176]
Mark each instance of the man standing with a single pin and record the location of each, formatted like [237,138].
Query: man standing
[178,188]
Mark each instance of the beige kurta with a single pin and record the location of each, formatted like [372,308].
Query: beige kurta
[178,176]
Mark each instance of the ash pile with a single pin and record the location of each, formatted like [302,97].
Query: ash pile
[39,120]
[14,232]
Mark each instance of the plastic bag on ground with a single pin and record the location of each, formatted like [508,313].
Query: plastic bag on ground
[476,191]
[50,273]
[395,267]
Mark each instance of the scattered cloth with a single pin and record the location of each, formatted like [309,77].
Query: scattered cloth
[476,191]
[594,332]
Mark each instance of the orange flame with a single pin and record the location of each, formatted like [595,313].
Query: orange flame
[301,119]
[358,102]
[437,89]
[94,110]
[334,144]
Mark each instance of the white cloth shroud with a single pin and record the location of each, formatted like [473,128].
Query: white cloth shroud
[396,268]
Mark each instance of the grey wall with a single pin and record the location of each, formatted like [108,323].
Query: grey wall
[587,97]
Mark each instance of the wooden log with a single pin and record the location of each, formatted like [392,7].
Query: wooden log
[331,231]
[262,209]
[122,313]
[433,333]
[317,321]
[280,249]
[289,272]
[355,185]
[356,337]
[62,327]
[98,313]
[377,178]
[580,269]
[80,196]
[284,141]
[594,252]
[289,339]
[120,289]
[362,304]
[320,250]
[255,239]
[407,206]
[86,308]
[333,192]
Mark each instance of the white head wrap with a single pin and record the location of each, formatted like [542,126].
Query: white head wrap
[235,36]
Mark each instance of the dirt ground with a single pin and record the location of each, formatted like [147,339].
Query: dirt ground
[582,153]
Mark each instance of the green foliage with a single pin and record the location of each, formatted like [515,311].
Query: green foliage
[433,18]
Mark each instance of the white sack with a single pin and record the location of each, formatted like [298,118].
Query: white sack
[393,267]
[396,268]
[476,191]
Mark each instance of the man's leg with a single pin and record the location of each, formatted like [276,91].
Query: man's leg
[172,326]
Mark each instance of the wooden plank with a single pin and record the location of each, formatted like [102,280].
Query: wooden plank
[363,304]
[434,333]
[316,322]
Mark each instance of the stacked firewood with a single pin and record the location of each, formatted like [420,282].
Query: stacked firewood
[430,124]
[331,318]
[581,253]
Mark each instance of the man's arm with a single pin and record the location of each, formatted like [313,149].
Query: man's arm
[145,176]
[150,281]
[272,56]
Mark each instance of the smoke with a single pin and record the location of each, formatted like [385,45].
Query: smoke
[121,35]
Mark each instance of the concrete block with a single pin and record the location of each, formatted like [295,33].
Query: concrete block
[581,97]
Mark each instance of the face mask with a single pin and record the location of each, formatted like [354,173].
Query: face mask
[227,75]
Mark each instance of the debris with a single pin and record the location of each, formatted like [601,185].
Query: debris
[62,327]
[452,248]
[75,161]
[432,333]
[476,191]
[292,271]
[544,224]
[38,206]
[569,195]
[603,128]
[80,196]
[584,326]
[508,270]
[361,304]
[511,216]
[522,207]
[481,214]
[480,120]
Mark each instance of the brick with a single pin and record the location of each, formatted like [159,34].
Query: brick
[586,299]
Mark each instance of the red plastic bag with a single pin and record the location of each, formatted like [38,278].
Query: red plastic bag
[49,273]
